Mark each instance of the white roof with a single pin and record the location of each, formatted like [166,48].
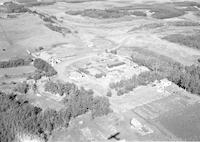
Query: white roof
[136,123]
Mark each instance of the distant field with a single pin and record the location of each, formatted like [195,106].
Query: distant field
[184,23]
[160,12]
[192,41]
[50,1]
[26,1]
[27,31]
[79,1]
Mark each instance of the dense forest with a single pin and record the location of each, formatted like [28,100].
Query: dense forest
[17,115]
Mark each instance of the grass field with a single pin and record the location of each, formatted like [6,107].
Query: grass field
[187,40]
[16,71]
[184,124]
[25,32]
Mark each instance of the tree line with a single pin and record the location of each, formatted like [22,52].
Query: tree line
[125,86]
[186,77]
[15,62]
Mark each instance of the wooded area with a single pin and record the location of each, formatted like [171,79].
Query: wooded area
[17,115]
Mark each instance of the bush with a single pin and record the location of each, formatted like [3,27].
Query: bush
[100,106]
[22,88]
[100,75]
[121,92]
[38,75]
[54,28]
[139,13]
[49,19]
[44,66]
[57,28]
[59,88]
[109,94]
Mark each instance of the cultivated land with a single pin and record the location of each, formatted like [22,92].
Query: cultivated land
[92,44]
